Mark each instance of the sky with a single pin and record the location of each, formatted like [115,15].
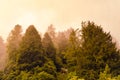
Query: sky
[63,14]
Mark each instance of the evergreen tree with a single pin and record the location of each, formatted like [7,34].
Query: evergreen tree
[31,50]
[98,50]
[73,50]
[13,42]
[62,42]
[2,54]
[50,49]
[49,46]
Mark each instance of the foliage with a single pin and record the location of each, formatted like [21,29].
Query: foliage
[97,49]
[49,46]
[72,51]
[30,51]
[45,76]
[13,42]
[50,68]
[2,54]
[68,55]
[105,75]
[73,76]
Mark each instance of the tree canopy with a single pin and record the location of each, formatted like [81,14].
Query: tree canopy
[88,53]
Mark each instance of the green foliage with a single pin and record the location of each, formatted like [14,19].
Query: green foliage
[62,42]
[31,51]
[50,51]
[81,56]
[61,76]
[13,42]
[45,76]
[97,49]
[106,74]
[50,68]
[49,46]
[23,76]
[12,75]
[31,61]
[73,76]
[72,51]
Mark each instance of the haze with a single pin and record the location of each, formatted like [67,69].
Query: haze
[61,13]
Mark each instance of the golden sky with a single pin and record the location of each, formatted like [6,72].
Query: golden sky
[61,13]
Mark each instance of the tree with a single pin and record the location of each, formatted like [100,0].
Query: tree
[50,49]
[62,42]
[2,54]
[98,50]
[72,50]
[61,47]
[13,42]
[51,31]
[49,46]
[30,50]
[52,34]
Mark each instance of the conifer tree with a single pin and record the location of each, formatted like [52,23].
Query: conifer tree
[31,50]
[98,50]
[2,54]
[49,46]
[72,51]
[13,42]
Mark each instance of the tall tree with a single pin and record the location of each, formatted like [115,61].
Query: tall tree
[51,51]
[52,34]
[62,42]
[2,54]
[49,46]
[72,50]
[31,50]
[13,42]
[98,50]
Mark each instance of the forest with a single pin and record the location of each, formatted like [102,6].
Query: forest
[86,53]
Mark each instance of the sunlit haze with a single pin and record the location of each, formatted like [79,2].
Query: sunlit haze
[62,14]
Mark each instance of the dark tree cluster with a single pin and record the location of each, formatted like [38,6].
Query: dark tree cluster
[88,53]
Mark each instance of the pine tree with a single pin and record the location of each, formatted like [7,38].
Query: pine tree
[73,50]
[98,50]
[49,46]
[62,42]
[2,54]
[31,50]
[13,42]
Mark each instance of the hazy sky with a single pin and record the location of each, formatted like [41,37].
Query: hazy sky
[61,13]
